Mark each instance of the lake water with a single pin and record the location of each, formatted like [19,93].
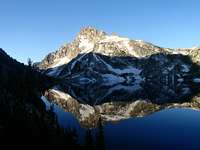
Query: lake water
[169,129]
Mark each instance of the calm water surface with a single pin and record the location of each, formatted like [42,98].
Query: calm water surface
[169,129]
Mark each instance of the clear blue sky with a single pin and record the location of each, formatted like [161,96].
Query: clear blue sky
[33,28]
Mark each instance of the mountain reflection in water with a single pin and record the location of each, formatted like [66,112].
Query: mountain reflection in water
[166,129]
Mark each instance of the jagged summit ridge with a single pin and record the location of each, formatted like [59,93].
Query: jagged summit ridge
[91,34]
[70,50]
[92,40]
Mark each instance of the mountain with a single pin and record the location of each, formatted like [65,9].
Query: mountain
[91,40]
[113,78]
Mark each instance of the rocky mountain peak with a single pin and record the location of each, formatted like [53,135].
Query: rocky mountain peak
[89,39]
[85,40]
[90,33]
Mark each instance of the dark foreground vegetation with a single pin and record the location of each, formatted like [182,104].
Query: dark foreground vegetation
[24,118]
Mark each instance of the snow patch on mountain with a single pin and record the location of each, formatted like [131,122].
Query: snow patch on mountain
[186,68]
[113,38]
[110,79]
[180,80]
[54,72]
[122,43]
[85,45]
[121,71]
[185,90]
[196,80]
[60,62]
[79,59]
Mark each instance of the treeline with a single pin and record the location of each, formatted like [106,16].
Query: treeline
[23,116]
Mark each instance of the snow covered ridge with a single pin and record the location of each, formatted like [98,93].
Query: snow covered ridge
[92,40]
